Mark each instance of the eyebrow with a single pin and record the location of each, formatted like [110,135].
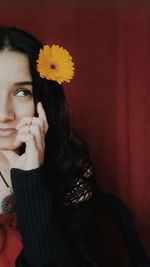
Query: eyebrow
[24,83]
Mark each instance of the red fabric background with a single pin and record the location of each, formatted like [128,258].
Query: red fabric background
[109,96]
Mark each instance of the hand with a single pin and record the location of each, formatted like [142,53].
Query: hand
[31,131]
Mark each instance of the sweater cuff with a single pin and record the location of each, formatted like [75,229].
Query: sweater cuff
[25,179]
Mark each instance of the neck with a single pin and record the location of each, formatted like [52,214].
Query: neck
[3,161]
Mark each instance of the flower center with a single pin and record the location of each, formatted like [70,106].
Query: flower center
[53,66]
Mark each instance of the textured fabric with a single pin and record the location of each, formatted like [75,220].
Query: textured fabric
[13,245]
[54,237]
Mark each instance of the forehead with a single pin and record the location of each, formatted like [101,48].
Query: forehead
[14,67]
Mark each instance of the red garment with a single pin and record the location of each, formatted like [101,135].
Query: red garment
[13,245]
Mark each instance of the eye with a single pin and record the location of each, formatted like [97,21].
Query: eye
[23,92]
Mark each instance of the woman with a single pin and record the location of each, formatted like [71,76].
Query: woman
[48,216]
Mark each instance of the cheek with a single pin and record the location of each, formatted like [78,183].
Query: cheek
[25,110]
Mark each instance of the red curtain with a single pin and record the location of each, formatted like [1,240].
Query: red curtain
[132,117]
[110,95]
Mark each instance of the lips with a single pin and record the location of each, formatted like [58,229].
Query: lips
[7,132]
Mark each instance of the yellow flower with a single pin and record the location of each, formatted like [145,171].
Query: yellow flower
[55,63]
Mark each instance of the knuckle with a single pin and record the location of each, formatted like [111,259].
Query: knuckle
[35,127]
[34,120]
[30,137]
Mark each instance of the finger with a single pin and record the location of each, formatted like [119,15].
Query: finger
[28,139]
[35,121]
[34,156]
[31,156]
[40,122]
[35,130]
[24,129]
[42,114]
[24,121]
[39,136]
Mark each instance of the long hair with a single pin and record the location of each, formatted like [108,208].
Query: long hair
[64,149]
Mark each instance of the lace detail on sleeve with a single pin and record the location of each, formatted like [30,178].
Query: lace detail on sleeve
[81,187]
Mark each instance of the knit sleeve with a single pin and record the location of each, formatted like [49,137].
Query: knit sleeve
[49,240]
[82,186]
[81,212]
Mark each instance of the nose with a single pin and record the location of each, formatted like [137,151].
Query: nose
[6,112]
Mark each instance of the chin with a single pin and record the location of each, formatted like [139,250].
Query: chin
[9,145]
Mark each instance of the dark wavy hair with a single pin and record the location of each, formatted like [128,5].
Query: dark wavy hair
[65,151]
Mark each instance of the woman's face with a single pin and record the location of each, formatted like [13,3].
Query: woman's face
[16,99]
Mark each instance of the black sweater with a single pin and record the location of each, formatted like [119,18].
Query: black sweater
[52,236]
